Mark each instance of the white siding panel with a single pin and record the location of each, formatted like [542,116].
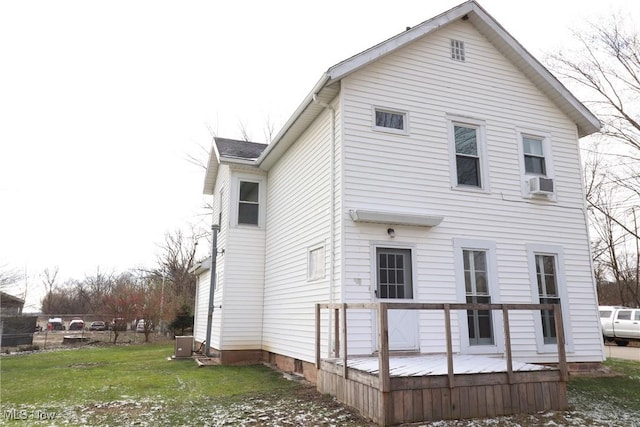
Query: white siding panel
[298,217]
[411,174]
[242,303]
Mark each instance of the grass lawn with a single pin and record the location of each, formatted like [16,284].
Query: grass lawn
[123,385]
[137,385]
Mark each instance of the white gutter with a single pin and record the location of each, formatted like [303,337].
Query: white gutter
[332,174]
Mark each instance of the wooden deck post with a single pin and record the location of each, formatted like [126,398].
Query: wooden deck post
[507,342]
[383,364]
[336,333]
[562,356]
[317,336]
[344,339]
[447,327]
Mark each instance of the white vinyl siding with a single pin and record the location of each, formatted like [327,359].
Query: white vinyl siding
[298,216]
[412,174]
[243,269]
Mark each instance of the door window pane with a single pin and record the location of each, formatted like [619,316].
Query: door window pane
[394,273]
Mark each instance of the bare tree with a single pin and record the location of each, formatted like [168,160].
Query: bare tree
[607,67]
[174,265]
[121,302]
[49,277]
[605,70]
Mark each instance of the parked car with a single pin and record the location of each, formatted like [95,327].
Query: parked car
[118,324]
[76,325]
[140,326]
[98,325]
[620,324]
[55,324]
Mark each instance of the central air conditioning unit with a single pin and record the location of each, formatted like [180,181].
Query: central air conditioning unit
[541,185]
[184,346]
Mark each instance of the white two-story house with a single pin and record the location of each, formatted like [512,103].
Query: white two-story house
[441,165]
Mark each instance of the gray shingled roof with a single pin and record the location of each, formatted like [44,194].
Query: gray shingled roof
[239,149]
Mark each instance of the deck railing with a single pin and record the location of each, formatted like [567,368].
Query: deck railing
[382,308]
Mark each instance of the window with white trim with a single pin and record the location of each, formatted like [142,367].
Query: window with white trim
[468,150]
[476,271]
[390,120]
[534,155]
[457,50]
[316,263]
[249,203]
[476,281]
[547,293]
[547,278]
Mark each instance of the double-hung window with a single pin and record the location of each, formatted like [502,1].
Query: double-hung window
[476,283]
[468,153]
[547,279]
[249,203]
[534,156]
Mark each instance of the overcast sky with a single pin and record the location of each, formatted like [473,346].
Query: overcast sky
[101,103]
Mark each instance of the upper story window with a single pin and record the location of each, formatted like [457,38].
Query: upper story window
[468,151]
[467,155]
[457,50]
[390,120]
[536,164]
[533,149]
[249,203]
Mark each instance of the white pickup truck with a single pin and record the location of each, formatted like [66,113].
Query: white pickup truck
[620,324]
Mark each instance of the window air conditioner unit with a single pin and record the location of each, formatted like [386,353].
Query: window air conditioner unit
[541,185]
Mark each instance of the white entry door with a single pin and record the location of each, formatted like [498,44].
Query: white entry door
[394,282]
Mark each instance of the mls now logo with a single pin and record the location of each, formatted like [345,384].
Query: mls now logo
[44,415]
[13,414]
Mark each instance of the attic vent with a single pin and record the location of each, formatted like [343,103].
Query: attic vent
[457,50]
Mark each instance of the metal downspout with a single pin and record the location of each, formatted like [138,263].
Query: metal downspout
[215,228]
[332,174]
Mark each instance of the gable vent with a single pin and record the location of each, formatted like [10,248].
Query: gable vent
[457,50]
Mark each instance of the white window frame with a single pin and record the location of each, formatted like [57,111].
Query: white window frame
[534,249]
[481,142]
[488,246]
[548,160]
[314,274]
[404,113]
[262,199]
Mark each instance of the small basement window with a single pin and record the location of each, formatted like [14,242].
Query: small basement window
[388,120]
[457,50]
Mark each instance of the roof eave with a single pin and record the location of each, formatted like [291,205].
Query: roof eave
[586,122]
[212,170]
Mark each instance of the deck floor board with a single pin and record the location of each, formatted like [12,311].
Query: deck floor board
[436,364]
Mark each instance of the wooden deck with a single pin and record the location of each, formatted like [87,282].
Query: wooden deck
[401,389]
